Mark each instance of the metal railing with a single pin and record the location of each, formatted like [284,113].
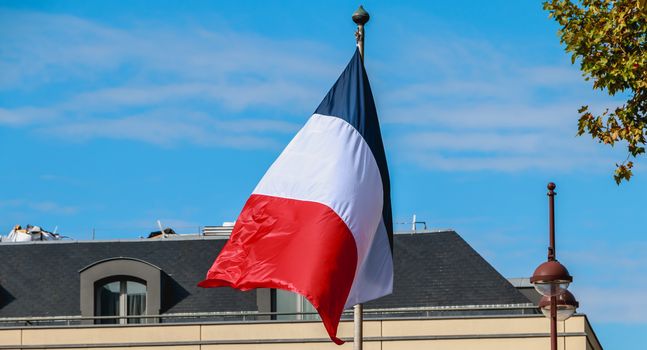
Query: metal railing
[252,316]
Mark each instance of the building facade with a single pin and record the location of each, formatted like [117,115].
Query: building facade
[143,294]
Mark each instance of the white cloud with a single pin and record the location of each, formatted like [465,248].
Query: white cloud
[275,94]
[38,205]
[505,163]
[487,141]
[170,127]
[25,116]
[484,147]
[454,104]
[465,105]
[62,47]
[189,85]
[624,304]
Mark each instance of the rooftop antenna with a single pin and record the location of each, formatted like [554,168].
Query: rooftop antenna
[414,223]
[159,224]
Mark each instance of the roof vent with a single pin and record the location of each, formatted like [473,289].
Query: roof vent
[221,231]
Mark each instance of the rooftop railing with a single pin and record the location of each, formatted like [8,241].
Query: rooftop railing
[253,316]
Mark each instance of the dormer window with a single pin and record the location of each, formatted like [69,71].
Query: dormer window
[120,287]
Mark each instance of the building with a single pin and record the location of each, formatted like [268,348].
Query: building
[142,294]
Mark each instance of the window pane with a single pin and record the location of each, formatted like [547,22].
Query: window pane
[307,307]
[136,300]
[286,302]
[108,302]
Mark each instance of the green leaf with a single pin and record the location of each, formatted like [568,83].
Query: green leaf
[609,40]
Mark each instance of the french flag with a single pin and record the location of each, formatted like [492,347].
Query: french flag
[319,221]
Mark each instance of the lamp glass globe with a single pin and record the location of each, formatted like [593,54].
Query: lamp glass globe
[552,288]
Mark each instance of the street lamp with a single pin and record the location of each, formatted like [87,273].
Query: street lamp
[566,305]
[551,279]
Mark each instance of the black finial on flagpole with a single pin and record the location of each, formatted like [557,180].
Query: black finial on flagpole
[360,16]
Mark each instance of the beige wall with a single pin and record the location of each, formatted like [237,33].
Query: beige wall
[523,332]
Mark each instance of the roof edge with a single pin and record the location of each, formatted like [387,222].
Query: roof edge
[118,258]
[418,232]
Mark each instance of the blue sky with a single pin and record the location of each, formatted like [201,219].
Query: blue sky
[116,114]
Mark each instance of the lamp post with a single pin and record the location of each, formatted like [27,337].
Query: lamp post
[551,279]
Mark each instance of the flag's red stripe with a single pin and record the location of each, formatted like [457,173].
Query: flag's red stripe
[300,246]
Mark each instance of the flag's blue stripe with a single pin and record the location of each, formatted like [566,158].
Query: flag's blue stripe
[351,100]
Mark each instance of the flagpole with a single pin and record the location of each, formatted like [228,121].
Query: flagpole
[360,17]
[358,336]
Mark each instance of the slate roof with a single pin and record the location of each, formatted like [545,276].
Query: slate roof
[431,269]
[42,278]
[441,269]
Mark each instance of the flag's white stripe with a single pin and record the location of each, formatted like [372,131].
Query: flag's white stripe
[374,277]
[329,162]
